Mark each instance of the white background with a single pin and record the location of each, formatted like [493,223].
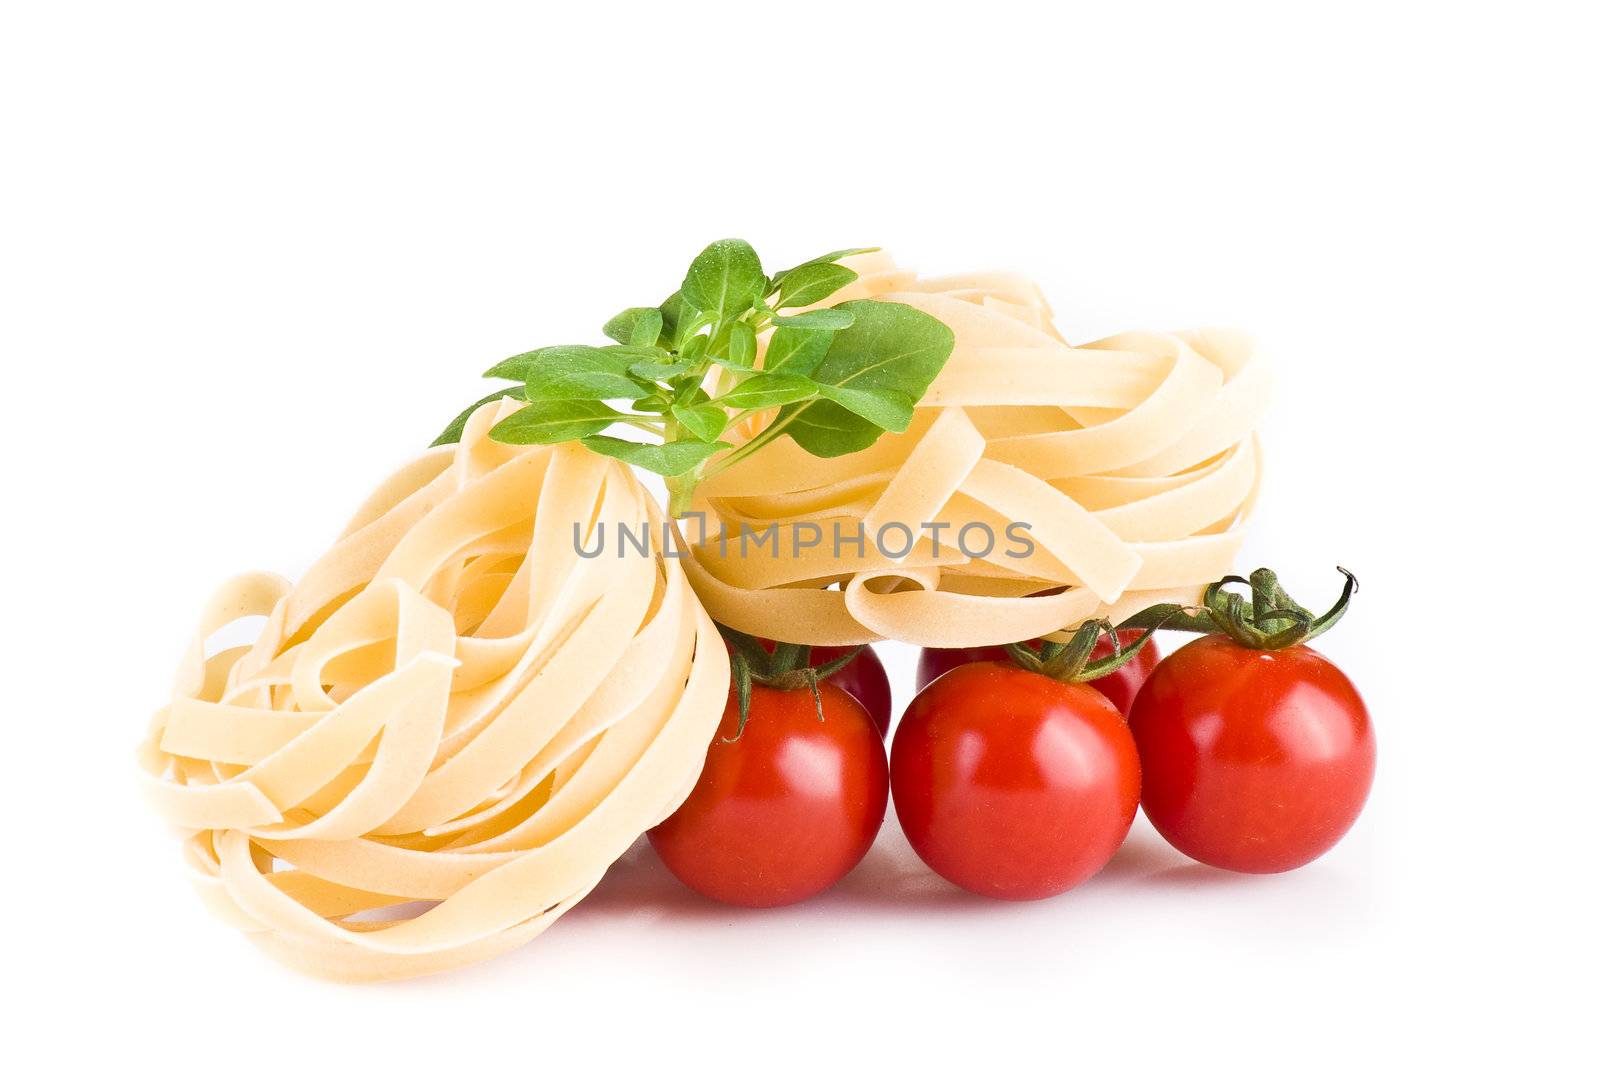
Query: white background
[253,255]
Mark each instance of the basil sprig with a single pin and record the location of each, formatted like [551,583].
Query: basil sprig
[837,377]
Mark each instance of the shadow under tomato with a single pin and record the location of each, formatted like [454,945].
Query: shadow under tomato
[1199,875]
[890,879]
[1141,855]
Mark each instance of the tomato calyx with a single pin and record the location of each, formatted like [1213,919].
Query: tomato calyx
[785,668]
[1073,662]
[1269,620]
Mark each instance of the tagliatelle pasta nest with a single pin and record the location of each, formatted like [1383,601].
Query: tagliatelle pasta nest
[1132,460]
[453,713]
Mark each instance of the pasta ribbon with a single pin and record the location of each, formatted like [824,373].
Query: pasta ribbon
[1131,461]
[449,729]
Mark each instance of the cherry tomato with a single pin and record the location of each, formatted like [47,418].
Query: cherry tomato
[785,810]
[1119,687]
[864,678]
[1011,784]
[1257,761]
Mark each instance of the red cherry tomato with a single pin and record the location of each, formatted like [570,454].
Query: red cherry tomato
[1257,761]
[1011,784]
[788,808]
[1119,687]
[864,678]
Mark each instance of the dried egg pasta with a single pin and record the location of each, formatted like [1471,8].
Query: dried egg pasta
[1132,459]
[453,717]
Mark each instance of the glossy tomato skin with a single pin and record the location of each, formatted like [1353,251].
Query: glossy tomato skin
[1013,785]
[1256,761]
[1120,687]
[864,678]
[787,809]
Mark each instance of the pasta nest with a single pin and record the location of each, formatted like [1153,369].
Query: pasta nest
[446,731]
[1132,460]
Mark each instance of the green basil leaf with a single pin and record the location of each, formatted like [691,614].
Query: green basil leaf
[796,352]
[672,314]
[636,353]
[679,322]
[693,349]
[657,370]
[827,429]
[545,422]
[513,367]
[635,327]
[452,431]
[742,345]
[766,389]
[819,319]
[704,422]
[725,280]
[890,349]
[567,372]
[665,459]
[810,283]
[690,392]
[738,350]
[653,404]
[519,366]
[889,409]
[826,258]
